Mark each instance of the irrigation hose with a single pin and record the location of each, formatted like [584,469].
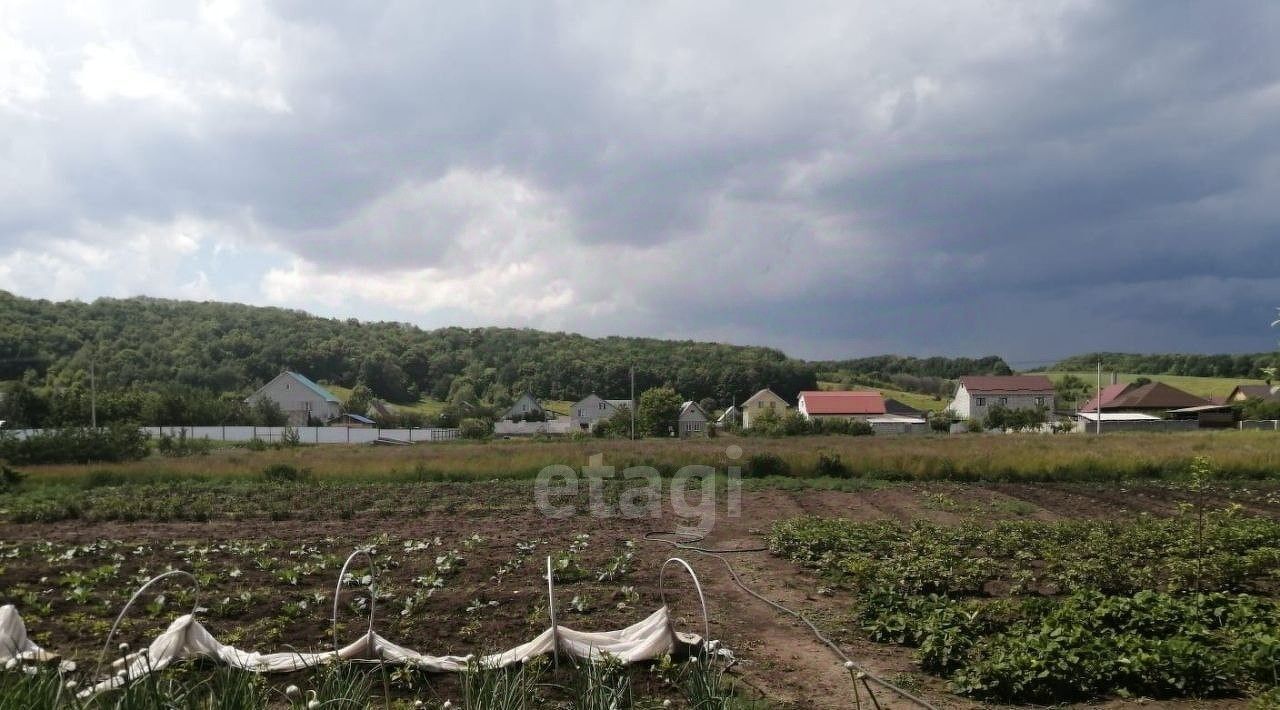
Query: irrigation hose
[689,543]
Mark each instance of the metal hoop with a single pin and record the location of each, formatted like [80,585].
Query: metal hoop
[662,592]
[551,611]
[373,594]
[120,617]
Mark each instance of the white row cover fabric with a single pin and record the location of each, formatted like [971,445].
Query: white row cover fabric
[14,642]
[187,639]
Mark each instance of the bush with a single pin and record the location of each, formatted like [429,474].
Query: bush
[475,429]
[120,442]
[765,464]
[256,444]
[182,445]
[832,466]
[284,473]
[9,478]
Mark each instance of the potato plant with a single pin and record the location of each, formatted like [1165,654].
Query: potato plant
[1043,612]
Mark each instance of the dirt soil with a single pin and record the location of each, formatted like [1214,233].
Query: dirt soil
[779,658]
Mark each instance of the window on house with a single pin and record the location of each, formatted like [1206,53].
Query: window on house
[981,401]
[579,412]
[1004,401]
[306,406]
[1039,401]
[602,406]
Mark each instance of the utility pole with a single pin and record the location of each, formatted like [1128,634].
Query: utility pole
[1098,426]
[633,402]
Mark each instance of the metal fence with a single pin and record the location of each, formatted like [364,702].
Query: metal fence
[306,434]
[1260,425]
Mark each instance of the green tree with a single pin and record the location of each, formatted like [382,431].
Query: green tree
[267,412]
[360,399]
[658,411]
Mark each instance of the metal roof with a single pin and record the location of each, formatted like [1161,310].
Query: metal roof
[359,418]
[1119,417]
[1007,383]
[328,396]
[850,402]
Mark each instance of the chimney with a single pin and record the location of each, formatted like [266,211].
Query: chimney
[1115,379]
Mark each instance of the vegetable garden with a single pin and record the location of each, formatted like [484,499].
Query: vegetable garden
[1035,612]
[961,593]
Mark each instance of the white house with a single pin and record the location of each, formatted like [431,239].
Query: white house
[299,398]
[766,400]
[524,406]
[693,421]
[593,408]
[976,395]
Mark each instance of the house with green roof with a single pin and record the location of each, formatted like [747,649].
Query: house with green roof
[301,399]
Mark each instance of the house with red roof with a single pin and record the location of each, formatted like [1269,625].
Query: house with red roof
[977,394]
[855,404]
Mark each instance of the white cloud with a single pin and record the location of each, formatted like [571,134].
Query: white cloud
[114,71]
[126,259]
[23,74]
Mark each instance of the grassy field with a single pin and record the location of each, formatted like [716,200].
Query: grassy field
[425,405]
[1199,386]
[922,402]
[1008,457]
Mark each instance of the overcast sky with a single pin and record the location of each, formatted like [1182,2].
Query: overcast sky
[1030,179]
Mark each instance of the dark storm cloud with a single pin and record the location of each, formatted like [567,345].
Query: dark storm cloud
[1029,179]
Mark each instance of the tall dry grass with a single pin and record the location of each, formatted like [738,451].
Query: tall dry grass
[971,457]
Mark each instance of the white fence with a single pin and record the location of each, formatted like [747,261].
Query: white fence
[306,434]
[555,426]
[1260,425]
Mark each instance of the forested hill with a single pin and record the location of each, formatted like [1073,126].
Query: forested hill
[232,348]
[1243,366]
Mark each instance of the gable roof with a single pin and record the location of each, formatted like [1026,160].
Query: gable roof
[614,403]
[691,407]
[328,396]
[1263,392]
[764,394]
[1109,394]
[730,414]
[893,406]
[1007,384]
[526,395]
[852,402]
[1155,395]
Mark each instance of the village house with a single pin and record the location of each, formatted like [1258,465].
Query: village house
[977,394]
[1151,398]
[869,406]
[693,421]
[856,404]
[585,413]
[302,400]
[1244,393]
[524,406]
[766,400]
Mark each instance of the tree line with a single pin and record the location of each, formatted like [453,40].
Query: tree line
[1252,366]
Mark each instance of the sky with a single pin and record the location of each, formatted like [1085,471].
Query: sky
[1028,179]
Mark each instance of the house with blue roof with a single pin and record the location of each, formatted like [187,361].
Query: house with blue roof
[302,400]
